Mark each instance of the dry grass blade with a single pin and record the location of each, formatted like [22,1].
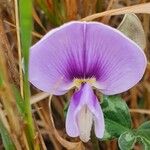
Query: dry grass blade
[38,97]
[89,7]
[37,19]
[4,119]
[148,65]
[65,143]
[44,116]
[146,20]
[37,35]
[19,47]
[7,98]
[39,139]
[71,13]
[106,19]
[5,46]
[141,111]
[141,8]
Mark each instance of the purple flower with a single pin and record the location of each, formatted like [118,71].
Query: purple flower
[85,56]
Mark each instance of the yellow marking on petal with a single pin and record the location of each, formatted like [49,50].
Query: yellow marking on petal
[78,82]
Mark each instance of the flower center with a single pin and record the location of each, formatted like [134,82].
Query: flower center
[78,82]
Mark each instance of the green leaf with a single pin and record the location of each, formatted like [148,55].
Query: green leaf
[145,126]
[128,139]
[25,20]
[117,116]
[1,79]
[66,108]
[19,101]
[143,133]
[8,144]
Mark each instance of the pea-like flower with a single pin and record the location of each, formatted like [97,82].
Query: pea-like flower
[85,56]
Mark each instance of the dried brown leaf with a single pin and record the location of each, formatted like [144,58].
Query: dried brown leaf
[38,97]
[131,26]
